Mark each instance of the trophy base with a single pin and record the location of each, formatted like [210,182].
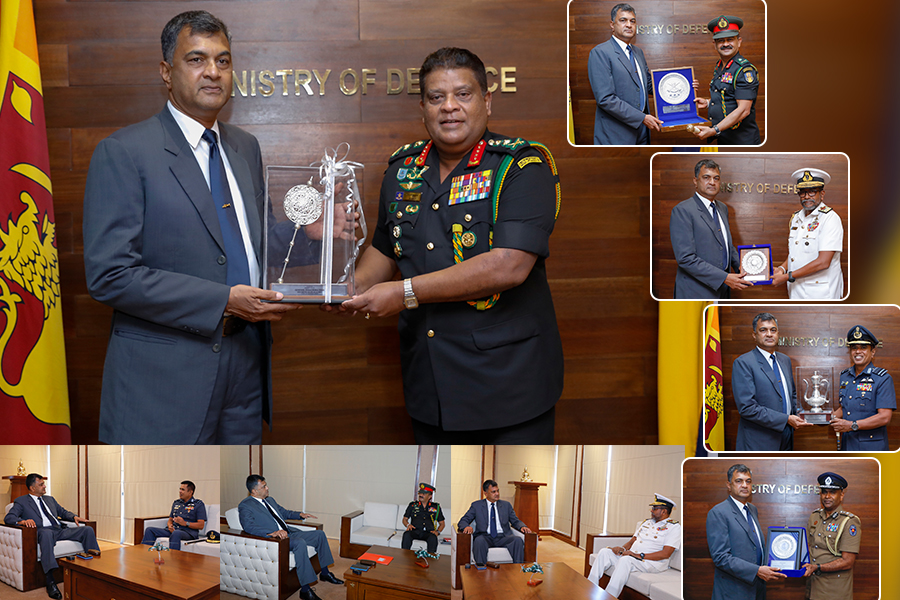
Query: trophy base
[311,293]
[816,418]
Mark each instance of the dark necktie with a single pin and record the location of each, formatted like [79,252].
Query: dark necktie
[238,271]
[721,235]
[493,527]
[756,535]
[637,73]
[53,522]
[278,519]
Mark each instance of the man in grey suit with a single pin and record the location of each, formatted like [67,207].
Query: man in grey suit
[622,84]
[172,242]
[36,509]
[702,242]
[261,515]
[493,519]
[762,383]
[737,543]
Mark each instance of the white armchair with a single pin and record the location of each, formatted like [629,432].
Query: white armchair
[259,567]
[198,546]
[20,555]
[462,544]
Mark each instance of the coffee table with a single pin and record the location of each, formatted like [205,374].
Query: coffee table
[402,579]
[509,582]
[129,573]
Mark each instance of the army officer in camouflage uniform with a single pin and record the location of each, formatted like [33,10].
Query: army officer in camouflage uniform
[868,399]
[423,519]
[733,89]
[834,537]
[466,218]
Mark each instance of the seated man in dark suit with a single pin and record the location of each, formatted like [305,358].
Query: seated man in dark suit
[493,521]
[36,509]
[262,516]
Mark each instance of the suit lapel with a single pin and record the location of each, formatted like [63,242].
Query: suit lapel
[626,62]
[742,519]
[707,218]
[190,177]
[767,369]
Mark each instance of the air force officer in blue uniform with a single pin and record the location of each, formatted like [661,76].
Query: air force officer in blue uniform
[737,543]
[868,398]
[262,516]
[762,383]
[621,83]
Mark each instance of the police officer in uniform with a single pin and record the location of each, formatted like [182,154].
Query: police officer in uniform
[834,537]
[423,520]
[186,519]
[647,551]
[813,267]
[466,218]
[733,89]
[867,397]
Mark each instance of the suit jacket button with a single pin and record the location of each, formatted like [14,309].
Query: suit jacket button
[221,260]
[216,347]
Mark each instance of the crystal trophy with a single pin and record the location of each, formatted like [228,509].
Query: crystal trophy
[311,234]
[816,401]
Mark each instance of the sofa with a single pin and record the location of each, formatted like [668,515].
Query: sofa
[462,547]
[259,567]
[378,524]
[20,554]
[655,586]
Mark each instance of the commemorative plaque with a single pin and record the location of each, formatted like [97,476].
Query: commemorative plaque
[311,236]
[787,549]
[674,93]
[816,402]
[756,261]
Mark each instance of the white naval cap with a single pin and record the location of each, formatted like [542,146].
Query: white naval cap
[808,177]
[660,500]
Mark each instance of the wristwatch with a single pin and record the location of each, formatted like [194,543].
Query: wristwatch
[642,556]
[409,298]
[818,570]
[854,426]
[791,277]
[716,129]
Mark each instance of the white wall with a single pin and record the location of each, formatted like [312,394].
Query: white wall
[565,489]
[466,480]
[512,460]
[34,458]
[235,466]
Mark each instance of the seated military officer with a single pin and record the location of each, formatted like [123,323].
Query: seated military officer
[834,537]
[647,551]
[186,519]
[867,397]
[423,519]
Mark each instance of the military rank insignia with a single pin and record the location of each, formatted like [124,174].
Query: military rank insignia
[474,186]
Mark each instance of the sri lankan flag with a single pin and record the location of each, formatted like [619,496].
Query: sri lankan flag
[713,391]
[34,399]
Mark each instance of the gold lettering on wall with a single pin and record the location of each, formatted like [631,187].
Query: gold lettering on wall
[673,29]
[278,82]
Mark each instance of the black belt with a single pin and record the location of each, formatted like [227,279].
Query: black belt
[233,325]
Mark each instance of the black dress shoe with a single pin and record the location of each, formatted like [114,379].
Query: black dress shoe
[329,577]
[53,591]
[310,595]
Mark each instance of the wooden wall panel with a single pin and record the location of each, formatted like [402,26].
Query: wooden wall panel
[755,217]
[664,48]
[822,323]
[704,486]
[338,380]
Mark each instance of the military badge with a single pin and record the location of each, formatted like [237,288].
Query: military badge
[723,23]
[393,205]
[411,196]
[864,387]
[398,251]
[468,239]
[466,188]
[408,161]
[852,530]
[401,174]
[396,231]
[527,161]
[412,209]
[410,185]
[813,226]
[748,77]
[727,77]
[832,527]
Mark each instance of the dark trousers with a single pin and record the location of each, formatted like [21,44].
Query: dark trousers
[538,430]
[511,542]
[48,536]
[300,540]
[419,534]
[175,537]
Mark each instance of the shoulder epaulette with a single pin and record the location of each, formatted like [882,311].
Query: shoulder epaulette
[825,209]
[742,61]
[645,520]
[508,145]
[847,370]
[877,371]
[407,149]
[849,514]
[673,521]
